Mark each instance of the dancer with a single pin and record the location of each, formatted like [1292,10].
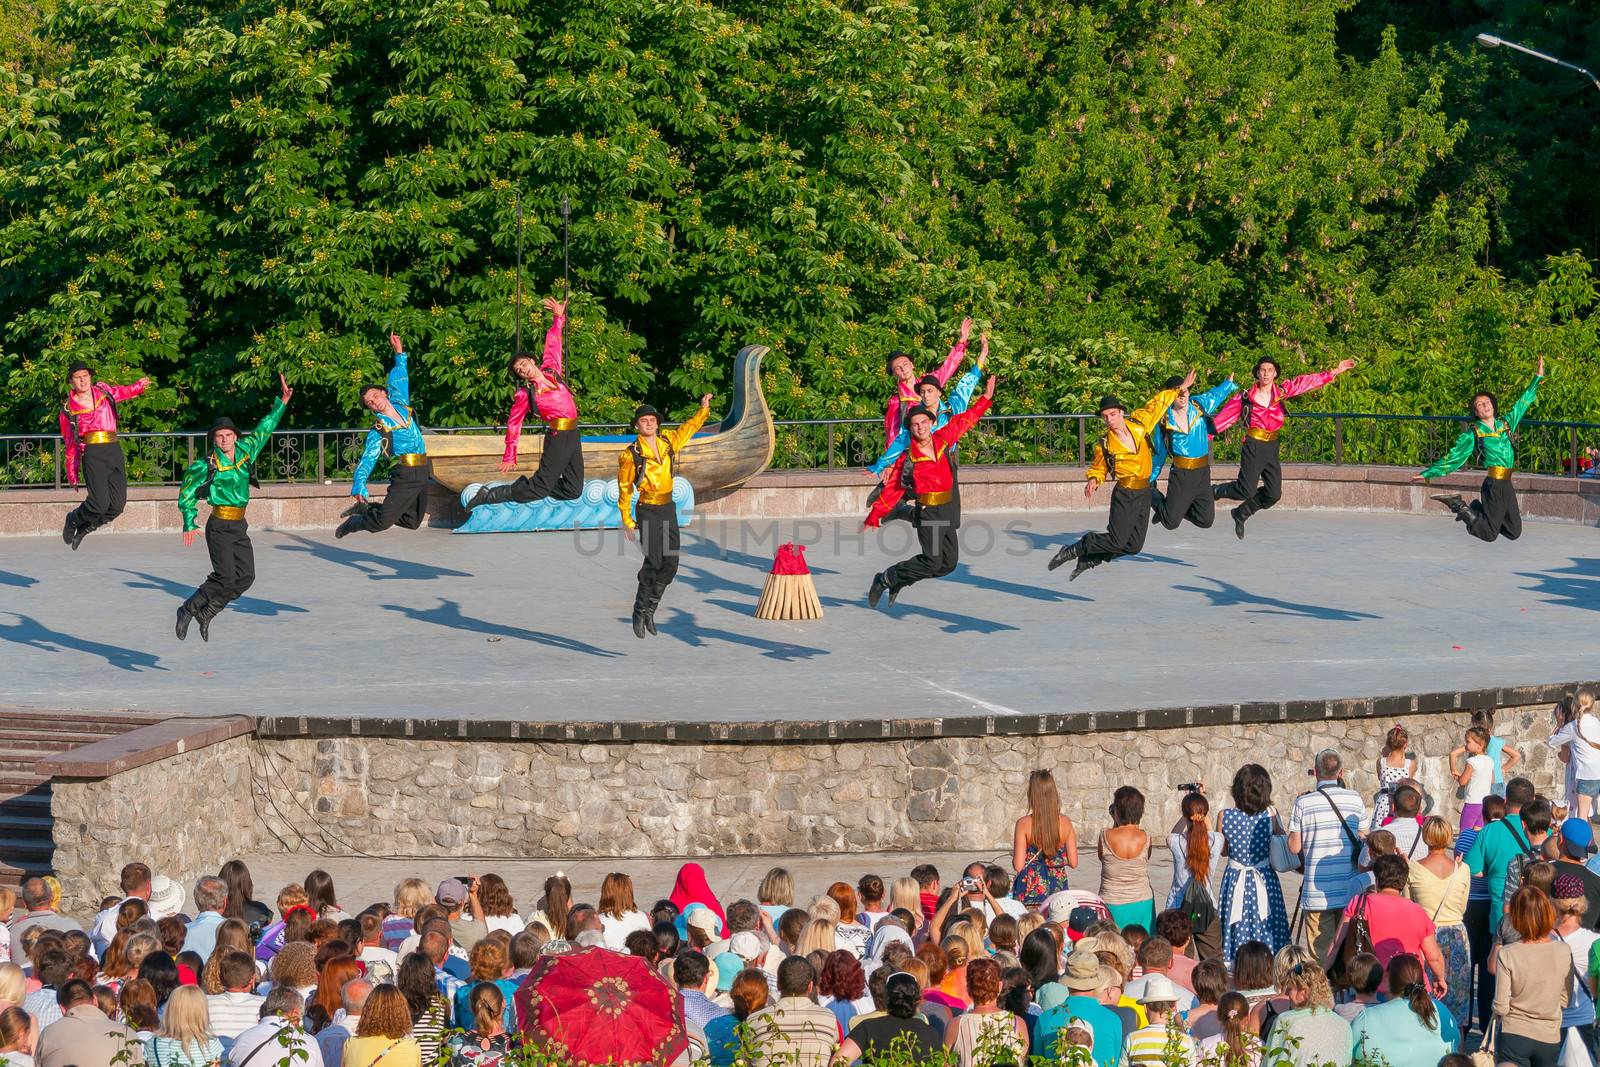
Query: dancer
[223,477]
[1124,454]
[89,431]
[1184,435]
[1260,410]
[543,391]
[396,426]
[930,390]
[648,465]
[1495,512]
[938,514]
[904,373]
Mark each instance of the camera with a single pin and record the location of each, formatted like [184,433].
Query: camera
[1189,787]
[970,885]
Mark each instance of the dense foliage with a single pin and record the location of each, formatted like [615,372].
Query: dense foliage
[210,192]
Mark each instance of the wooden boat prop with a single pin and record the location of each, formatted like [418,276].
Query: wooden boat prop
[720,458]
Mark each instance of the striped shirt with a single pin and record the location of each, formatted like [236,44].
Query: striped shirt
[232,1014]
[429,1029]
[1148,1045]
[1478,888]
[1330,862]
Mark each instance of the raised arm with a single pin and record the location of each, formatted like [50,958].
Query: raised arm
[1228,412]
[893,490]
[681,435]
[1520,409]
[966,385]
[1453,460]
[256,440]
[120,393]
[957,354]
[1147,417]
[399,383]
[890,454]
[1305,383]
[625,475]
[1213,398]
[958,425]
[552,338]
[519,413]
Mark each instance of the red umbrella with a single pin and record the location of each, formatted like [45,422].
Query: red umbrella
[595,1006]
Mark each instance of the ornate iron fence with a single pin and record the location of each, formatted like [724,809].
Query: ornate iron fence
[330,455]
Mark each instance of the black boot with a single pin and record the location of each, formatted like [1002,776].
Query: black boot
[491,494]
[79,532]
[1084,564]
[184,618]
[349,526]
[1457,506]
[1064,553]
[878,588]
[650,614]
[638,623]
[1158,506]
[203,614]
[69,528]
[1238,522]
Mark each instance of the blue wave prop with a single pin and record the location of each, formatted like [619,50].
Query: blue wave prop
[595,509]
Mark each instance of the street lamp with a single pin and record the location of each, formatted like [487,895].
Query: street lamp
[1489,40]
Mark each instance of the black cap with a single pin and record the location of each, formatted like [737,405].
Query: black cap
[1174,382]
[914,412]
[1267,359]
[1111,400]
[931,379]
[888,361]
[223,423]
[78,365]
[640,412]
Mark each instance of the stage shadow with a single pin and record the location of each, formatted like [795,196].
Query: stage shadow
[1227,595]
[966,576]
[31,633]
[448,614]
[1574,586]
[247,605]
[951,622]
[369,564]
[703,580]
[22,581]
[1054,541]
[683,627]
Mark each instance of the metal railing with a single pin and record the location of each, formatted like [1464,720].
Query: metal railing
[330,455]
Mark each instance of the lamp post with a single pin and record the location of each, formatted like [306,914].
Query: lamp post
[1489,40]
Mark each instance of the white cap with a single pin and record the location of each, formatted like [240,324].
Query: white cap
[166,897]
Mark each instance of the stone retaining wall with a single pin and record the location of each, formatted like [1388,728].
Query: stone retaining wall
[396,796]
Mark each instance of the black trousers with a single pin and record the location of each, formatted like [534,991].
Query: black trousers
[659,537]
[560,473]
[1129,522]
[1480,939]
[1526,1052]
[939,537]
[233,564]
[1260,481]
[105,477]
[1188,496]
[402,506]
[1495,512]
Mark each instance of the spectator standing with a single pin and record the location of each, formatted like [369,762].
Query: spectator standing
[842,988]
[241,889]
[1405,824]
[1311,1033]
[1505,757]
[331,1040]
[430,1012]
[1566,892]
[323,898]
[381,963]
[692,975]
[1124,852]
[1475,775]
[499,910]
[619,915]
[725,1034]
[1584,751]
[84,1036]
[1250,906]
[1439,883]
[383,1038]
[211,900]
[1253,973]
[1195,849]
[18,1036]
[850,933]
[1044,845]
[795,1030]
[1210,983]
[135,885]
[1398,926]
[411,895]
[1577,839]
[185,1038]
[1532,984]
[1565,732]
[1410,1027]
[987,1027]
[39,911]
[872,892]
[1324,831]
[1151,1044]
[463,909]
[1395,765]
[776,893]
[53,970]
[279,1025]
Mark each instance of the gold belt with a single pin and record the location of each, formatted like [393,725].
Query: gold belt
[1133,483]
[1499,473]
[646,497]
[562,424]
[933,500]
[1190,463]
[411,459]
[223,511]
[1261,435]
[99,437]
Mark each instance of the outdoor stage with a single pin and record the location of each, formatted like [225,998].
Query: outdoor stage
[534,628]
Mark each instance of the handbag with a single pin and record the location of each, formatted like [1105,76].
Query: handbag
[1356,940]
[1278,852]
[1485,1056]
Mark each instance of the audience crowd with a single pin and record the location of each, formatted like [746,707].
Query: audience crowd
[1408,941]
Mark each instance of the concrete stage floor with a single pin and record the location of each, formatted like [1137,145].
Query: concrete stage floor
[534,627]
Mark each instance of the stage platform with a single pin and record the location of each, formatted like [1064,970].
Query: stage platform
[534,629]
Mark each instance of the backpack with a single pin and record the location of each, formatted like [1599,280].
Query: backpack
[639,460]
[1198,905]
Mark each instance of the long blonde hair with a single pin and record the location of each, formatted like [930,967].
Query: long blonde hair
[411,896]
[777,888]
[1044,812]
[905,893]
[187,1020]
[819,934]
[13,985]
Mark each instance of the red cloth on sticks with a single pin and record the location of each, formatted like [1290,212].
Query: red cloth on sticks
[791,559]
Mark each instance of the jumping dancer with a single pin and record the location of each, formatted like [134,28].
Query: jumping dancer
[396,425]
[1125,455]
[89,430]
[1495,512]
[648,466]
[930,391]
[1184,436]
[223,478]
[938,513]
[543,391]
[904,373]
[1260,409]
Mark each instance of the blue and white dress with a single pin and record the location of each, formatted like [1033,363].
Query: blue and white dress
[1251,903]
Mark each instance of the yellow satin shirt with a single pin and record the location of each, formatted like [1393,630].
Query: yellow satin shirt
[1136,462]
[658,464]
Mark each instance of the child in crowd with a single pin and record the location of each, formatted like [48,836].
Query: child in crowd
[1505,757]
[1394,767]
[1475,774]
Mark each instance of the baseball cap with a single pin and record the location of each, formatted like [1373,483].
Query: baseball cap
[452,891]
[745,944]
[1576,837]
